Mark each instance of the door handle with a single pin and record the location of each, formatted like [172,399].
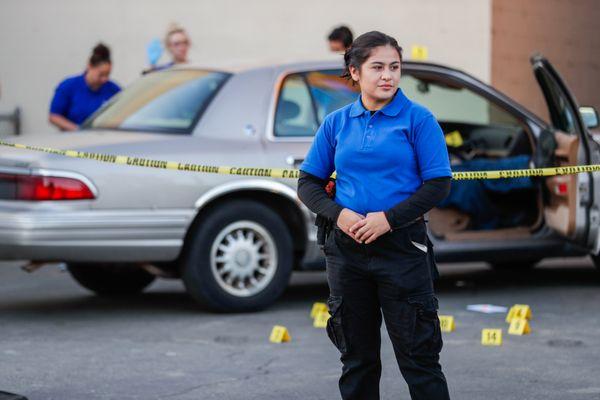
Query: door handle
[294,161]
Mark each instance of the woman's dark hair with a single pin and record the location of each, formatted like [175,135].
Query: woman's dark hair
[361,49]
[341,34]
[100,55]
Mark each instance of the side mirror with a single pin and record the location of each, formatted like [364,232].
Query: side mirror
[589,116]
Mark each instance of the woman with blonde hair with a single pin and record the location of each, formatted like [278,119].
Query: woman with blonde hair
[177,42]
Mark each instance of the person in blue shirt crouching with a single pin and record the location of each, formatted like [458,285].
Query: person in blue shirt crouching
[392,166]
[78,97]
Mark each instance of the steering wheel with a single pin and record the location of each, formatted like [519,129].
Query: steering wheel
[468,149]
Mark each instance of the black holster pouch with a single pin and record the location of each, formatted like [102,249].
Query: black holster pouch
[324,228]
[435,273]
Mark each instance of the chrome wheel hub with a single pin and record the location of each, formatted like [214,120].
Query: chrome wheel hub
[243,258]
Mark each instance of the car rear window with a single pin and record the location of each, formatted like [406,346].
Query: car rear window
[164,101]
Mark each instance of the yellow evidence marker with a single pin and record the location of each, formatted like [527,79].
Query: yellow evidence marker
[518,311]
[454,139]
[280,334]
[321,319]
[419,52]
[318,308]
[447,323]
[491,337]
[519,326]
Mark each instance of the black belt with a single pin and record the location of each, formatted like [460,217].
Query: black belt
[325,226]
[409,223]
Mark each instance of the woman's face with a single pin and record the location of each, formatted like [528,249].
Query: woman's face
[98,75]
[178,46]
[379,75]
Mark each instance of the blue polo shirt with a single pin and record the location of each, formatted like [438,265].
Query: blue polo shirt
[380,159]
[74,100]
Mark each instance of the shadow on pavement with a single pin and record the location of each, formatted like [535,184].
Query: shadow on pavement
[476,277]
[170,297]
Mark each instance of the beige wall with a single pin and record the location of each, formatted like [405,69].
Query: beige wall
[41,42]
[565,31]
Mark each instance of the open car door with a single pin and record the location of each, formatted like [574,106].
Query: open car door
[571,207]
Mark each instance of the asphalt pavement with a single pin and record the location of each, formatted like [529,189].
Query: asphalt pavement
[58,341]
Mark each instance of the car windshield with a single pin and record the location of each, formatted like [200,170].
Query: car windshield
[165,101]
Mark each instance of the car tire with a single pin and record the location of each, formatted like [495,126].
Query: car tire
[238,258]
[111,279]
[518,265]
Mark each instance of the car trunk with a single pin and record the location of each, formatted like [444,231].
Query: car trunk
[91,141]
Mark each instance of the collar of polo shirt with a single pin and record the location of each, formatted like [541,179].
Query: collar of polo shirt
[391,109]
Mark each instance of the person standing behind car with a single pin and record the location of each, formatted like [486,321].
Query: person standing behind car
[392,166]
[340,39]
[178,44]
[78,97]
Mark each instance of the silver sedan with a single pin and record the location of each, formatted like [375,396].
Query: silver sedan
[235,240]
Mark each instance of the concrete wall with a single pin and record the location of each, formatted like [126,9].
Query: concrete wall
[565,31]
[41,42]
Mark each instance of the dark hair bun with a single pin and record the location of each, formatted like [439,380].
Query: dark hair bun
[100,54]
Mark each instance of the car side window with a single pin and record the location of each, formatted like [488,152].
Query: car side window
[469,120]
[451,102]
[295,114]
[560,112]
[330,92]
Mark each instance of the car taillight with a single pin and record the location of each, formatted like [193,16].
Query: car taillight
[38,188]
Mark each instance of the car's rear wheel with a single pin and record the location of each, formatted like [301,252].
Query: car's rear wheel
[238,258]
[517,265]
[110,278]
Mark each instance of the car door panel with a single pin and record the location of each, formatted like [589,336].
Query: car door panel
[569,207]
[561,208]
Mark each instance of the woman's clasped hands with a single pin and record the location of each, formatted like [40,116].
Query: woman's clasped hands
[363,229]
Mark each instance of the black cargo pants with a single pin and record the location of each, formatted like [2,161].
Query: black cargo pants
[392,275]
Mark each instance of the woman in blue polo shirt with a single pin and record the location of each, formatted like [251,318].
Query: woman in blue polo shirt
[78,97]
[392,166]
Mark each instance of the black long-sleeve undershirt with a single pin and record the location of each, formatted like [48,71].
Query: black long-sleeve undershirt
[429,195]
[311,191]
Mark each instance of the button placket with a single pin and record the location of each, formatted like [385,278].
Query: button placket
[369,134]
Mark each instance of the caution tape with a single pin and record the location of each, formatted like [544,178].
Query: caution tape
[284,172]
[160,164]
[523,173]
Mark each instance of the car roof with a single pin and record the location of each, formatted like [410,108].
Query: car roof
[284,67]
[300,65]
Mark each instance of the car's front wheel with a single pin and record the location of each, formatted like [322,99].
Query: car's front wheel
[238,258]
[110,278]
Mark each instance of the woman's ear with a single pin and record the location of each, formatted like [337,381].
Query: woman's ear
[354,73]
